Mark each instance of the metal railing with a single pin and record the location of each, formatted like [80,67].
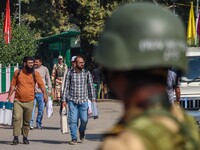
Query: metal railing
[190,103]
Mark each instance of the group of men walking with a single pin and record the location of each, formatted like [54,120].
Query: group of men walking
[135,51]
[25,82]
[32,85]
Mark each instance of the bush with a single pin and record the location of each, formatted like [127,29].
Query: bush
[22,43]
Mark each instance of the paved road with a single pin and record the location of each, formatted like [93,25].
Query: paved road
[51,138]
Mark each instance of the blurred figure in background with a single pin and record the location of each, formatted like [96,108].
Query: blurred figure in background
[173,85]
[57,77]
[97,79]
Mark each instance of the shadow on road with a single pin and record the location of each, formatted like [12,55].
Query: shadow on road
[94,137]
[5,142]
[49,141]
[51,128]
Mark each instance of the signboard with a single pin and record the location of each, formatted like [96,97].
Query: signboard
[75,42]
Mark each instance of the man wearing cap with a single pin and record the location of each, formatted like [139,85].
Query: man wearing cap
[57,77]
[73,64]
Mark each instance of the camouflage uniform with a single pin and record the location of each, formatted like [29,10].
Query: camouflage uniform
[139,43]
[57,77]
[153,129]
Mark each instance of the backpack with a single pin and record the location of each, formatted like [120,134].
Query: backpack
[33,74]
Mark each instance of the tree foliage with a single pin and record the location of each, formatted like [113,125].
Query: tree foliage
[22,43]
[49,17]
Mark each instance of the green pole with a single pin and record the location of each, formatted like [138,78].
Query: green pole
[11,72]
[3,79]
[68,56]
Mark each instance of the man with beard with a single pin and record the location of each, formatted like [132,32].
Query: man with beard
[23,83]
[78,90]
[39,98]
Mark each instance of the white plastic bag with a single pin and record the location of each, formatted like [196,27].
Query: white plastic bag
[94,107]
[2,111]
[8,112]
[49,108]
[8,117]
[63,121]
[89,109]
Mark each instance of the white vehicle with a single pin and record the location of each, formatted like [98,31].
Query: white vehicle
[190,82]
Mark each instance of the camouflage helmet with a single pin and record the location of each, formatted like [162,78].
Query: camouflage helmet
[142,36]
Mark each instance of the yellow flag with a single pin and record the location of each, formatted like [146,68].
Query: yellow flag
[191,30]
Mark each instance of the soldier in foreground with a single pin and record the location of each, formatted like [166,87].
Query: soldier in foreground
[139,43]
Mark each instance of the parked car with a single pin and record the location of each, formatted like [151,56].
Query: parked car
[190,82]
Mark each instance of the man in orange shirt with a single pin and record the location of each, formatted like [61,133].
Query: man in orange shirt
[23,83]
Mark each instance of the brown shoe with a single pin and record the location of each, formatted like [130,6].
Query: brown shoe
[73,142]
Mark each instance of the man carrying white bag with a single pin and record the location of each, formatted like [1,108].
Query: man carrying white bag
[63,120]
[92,109]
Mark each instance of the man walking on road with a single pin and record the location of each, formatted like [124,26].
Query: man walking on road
[139,43]
[57,77]
[23,83]
[39,97]
[78,90]
[73,64]
[173,83]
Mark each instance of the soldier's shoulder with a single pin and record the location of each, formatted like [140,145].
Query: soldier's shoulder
[125,140]
[182,116]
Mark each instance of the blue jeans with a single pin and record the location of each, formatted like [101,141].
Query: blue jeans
[39,99]
[75,112]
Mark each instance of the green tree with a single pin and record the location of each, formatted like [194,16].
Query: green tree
[23,42]
[47,17]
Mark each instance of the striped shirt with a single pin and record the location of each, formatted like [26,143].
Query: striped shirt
[79,87]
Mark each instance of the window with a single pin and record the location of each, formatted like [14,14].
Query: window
[193,67]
